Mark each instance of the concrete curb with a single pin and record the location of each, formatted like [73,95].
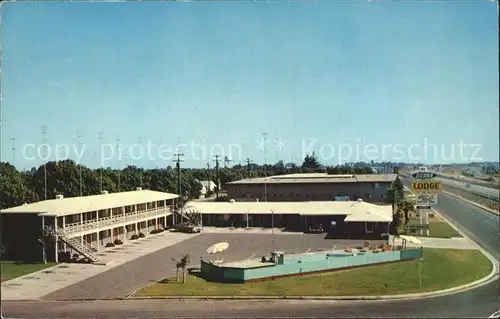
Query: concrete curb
[476,284]
[473,203]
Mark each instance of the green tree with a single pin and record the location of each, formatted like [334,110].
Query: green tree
[184,263]
[192,216]
[13,187]
[311,162]
[407,207]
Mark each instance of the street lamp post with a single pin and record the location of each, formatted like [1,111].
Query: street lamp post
[272,225]
[420,268]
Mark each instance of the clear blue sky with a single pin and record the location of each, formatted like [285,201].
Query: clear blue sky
[353,73]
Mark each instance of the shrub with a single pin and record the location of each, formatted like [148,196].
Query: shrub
[134,237]
[141,235]
[156,231]
[118,242]
[110,245]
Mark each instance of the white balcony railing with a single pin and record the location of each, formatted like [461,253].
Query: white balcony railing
[93,224]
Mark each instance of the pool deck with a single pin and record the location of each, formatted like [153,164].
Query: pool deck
[257,263]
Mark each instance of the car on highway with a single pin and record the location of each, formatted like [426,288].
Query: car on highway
[188,228]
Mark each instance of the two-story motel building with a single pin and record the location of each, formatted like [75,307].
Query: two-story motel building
[312,187]
[83,224]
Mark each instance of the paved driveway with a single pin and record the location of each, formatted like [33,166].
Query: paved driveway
[125,279]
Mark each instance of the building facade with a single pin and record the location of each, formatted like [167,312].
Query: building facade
[312,187]
[338,219]
[82,225]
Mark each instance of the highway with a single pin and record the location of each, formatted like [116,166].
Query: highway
[472,187]
[480,225]
[471,181]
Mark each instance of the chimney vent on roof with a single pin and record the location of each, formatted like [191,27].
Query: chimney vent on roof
[138,189]
[104,192]
[59,196]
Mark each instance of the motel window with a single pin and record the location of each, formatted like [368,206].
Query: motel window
[376,185]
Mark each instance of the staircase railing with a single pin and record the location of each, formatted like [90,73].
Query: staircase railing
[76,244]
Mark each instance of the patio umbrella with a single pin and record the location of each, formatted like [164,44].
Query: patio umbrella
[217,248]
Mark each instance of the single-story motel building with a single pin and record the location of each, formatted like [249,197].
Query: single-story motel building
[82,225]
[340,219]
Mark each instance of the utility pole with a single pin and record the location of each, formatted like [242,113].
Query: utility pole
[248,167]
[208,174]
[226,161]
[264,135]
[13,150]
[139,141]
[119,157]
[178,161]
[101,137]
[44,141]
[79,134]
[217,175]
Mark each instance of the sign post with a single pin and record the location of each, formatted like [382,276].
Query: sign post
[426,188]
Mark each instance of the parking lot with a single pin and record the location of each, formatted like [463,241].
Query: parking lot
[125,279]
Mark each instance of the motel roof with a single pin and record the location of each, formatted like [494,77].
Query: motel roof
[355,211]
[319,178]
[74,205]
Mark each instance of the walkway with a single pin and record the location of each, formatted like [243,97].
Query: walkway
[43,282]
[250,230]
[446,243]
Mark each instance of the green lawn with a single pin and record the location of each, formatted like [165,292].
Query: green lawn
[442,229]
[13,269]
[441,269]
[438,229]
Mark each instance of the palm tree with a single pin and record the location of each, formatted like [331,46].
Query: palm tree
[184,262]
[407,207]
[178,265]
[193,216]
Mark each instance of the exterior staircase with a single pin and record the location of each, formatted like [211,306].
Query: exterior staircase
[75,243]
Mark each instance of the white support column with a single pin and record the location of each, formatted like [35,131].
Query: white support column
[64,228]
[98,241]
[81,225]
[427,222]
[420,213]
[56,245]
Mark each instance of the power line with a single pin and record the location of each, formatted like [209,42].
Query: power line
[139,141]
[13,139]
[119,157]
[264,136]
[101,137]
[79,134]
[178,161]
[249,161]
[217,175]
